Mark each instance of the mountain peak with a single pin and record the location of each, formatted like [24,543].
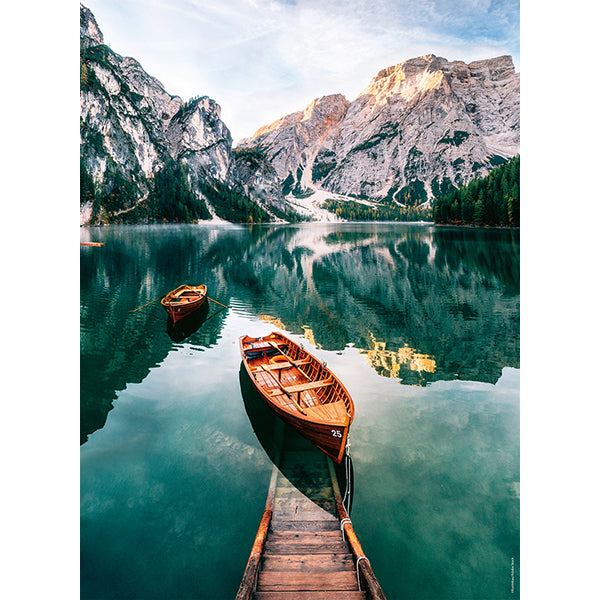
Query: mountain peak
[323,111]
[423,73]
[327,106]
[419,127]
[89,32]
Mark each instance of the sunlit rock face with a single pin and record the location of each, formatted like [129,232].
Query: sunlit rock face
[291,144]
[425,120]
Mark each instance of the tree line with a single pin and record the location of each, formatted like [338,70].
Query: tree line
[356,211]
[493,200]
[170,199]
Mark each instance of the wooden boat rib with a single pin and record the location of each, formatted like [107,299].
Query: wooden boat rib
[184,300]
[301,390]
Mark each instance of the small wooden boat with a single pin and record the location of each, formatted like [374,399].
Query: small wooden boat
[301,390]
[184,300]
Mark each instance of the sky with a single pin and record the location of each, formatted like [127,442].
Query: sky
[263,59]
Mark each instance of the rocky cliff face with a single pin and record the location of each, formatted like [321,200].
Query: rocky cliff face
[417,128]
[292,143]
[131,128]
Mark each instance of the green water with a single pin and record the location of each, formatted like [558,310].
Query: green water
[421,323]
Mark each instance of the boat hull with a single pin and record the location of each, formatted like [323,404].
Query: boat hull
[328,435]
[178,310]
[329,438]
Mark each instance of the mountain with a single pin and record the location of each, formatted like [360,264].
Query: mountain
[148,155]
[417,130]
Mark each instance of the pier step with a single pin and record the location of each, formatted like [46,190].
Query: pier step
[298,581]
[311,595]
[310,563]
[280,525]
[301,543]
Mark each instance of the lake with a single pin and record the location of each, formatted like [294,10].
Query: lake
[420,322]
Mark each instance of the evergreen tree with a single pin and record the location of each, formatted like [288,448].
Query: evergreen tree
[121,195]
[493,200]
[172,199]
[87,191]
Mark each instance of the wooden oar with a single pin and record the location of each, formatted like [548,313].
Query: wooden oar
[224,305]
[138,308]
[287,393]
[279,382]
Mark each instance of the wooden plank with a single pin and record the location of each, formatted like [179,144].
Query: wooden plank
[282,581]
[294,503]
[312,595]
[332,411]
[295,548]
[291,507]
[278,524]
[285,365]
[277,367]
[312,563]
[306,537]
[303,361]
[307,386]
[317,492]
[305,515]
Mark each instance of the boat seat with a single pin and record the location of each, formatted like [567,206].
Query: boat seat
[311,385]
[277,367]
[284,365]
[303,361]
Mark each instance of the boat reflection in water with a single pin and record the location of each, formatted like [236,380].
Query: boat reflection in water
[187,325]
[304,465]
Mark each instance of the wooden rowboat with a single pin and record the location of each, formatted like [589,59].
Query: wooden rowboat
[184,300]
[301,390]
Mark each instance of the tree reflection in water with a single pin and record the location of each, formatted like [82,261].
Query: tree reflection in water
[421,303]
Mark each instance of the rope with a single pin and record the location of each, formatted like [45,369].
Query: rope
[344,521]
[363,557]
[347,491]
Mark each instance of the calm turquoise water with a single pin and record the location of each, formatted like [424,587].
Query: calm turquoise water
[421,324]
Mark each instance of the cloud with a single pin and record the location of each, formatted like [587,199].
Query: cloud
[262,59]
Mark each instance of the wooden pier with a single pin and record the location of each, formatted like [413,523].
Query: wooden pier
[306,547]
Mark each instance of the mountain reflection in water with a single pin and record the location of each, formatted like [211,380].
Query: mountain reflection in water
[420,303]
[173,481]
